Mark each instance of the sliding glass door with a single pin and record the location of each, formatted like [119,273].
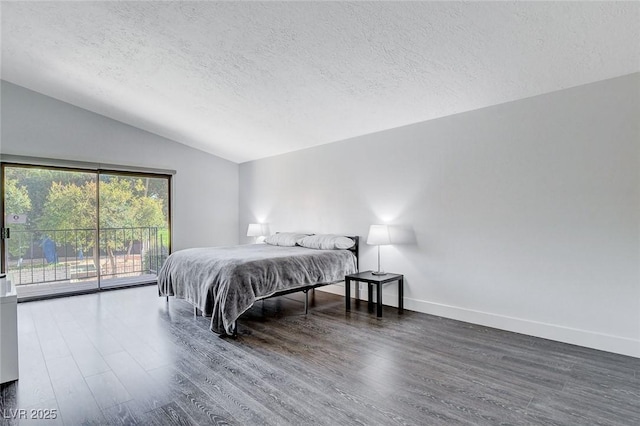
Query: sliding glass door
[52,230]
[73,230]
[134,228]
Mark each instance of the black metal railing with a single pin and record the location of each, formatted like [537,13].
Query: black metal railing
[52,255]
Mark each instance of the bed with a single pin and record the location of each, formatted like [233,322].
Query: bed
[223,282]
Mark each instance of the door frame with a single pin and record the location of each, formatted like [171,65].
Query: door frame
[73,166]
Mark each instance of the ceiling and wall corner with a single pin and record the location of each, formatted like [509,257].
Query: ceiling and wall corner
[35,125]
[248,80]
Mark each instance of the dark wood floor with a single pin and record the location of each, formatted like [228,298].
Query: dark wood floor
[125,356]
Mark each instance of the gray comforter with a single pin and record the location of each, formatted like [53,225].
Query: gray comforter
[223,282]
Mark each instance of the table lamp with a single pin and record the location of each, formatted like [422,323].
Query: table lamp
[257,230]
[378,236]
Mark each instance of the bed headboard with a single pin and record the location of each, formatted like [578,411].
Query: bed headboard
[355,249]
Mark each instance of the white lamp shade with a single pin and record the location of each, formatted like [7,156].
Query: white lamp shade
[255,230]
[378,235]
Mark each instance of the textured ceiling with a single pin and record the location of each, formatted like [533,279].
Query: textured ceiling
[249,80]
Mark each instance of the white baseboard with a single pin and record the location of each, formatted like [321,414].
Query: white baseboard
[589,339]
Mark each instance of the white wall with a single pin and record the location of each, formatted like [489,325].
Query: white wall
[205,187]
[526,215]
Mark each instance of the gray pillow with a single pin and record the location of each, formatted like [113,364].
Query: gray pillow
[327,242]
[284,239]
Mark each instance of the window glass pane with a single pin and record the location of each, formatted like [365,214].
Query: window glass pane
[51,215]
[134,228]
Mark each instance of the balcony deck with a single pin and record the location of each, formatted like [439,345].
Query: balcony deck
[59,288]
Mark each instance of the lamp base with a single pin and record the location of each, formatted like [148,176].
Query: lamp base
[378,272]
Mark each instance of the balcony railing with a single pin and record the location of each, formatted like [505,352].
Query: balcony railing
[75,255]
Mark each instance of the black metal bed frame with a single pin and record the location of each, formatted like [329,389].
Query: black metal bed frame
[355,250]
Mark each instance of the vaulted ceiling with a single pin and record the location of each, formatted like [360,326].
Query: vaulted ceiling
[247,80]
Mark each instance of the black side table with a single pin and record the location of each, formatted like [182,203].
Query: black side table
[371,280]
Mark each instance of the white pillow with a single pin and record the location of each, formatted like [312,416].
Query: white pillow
[284,239]
[327,242]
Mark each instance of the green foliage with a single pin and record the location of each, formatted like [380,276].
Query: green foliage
[116,199]
[17,197]
[38,183]
[122,205]
[17,202]
[69,206]
[148,211]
